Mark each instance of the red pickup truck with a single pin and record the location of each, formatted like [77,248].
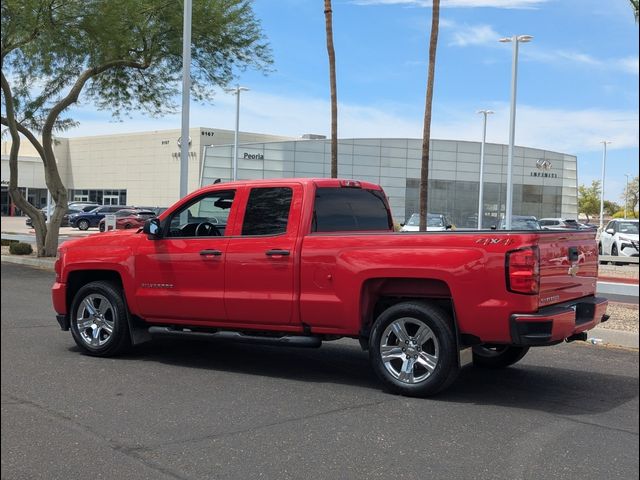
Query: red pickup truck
[297,262]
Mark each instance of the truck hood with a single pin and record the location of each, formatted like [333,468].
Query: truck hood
[106,239]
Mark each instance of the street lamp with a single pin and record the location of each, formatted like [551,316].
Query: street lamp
[481,189]
[515,40]
[626,194]
[186,86]
[604,162]
[234,164]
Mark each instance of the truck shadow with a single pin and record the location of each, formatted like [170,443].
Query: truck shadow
[550,389]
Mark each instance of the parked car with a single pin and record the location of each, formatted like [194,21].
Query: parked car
[299,262]
[65,219]
[129,218]
[620,237]
[519,222]
[435,223]
[86,220]
[559,224]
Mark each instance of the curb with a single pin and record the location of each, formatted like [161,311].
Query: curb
[42,263]
[618,338]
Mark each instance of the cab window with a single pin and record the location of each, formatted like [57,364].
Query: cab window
[206,216]
[267,211]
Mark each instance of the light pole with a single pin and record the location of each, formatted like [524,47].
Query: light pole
[515,40]
[481,189]
[186,85]
[604,162]
[626,194]
[234,164]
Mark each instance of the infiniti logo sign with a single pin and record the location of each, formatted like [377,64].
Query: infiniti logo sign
[543,164]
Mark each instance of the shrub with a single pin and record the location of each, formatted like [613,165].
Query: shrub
[20,248]
[6,242]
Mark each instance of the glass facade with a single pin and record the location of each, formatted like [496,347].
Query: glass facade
[544,182]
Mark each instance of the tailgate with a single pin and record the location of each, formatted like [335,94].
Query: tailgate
[568,266]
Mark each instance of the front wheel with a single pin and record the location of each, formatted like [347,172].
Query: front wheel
[497,356]
[99,319]
[83,224]
[412,349]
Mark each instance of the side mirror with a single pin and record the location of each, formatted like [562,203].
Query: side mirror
[153,228]
[610,231]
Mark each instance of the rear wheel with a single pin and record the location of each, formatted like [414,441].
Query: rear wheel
[83,224]
[99,319]
[497,356]
[101,227]
[412,349]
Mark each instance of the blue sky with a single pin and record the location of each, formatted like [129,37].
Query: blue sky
[578,79]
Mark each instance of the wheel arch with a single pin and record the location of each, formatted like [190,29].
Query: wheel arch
[378,294]
[78,278]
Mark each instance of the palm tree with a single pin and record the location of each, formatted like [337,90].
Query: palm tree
[332,81]
[635,4]
[426,133]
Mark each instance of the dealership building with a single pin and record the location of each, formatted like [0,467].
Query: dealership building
[143,169]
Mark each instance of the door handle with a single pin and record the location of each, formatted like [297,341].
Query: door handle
[214,253]
[276,252]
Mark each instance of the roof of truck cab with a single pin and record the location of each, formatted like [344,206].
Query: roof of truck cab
[320,182]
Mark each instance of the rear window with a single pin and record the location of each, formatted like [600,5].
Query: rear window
[350,209]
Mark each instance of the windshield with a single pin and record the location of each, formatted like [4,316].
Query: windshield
[433,220]
[522,223]
[525,224]
[630,228]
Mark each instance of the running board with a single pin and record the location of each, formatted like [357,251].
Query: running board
[284,341]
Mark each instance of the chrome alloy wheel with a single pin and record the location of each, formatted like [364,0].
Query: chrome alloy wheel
[409,350]
[95,320]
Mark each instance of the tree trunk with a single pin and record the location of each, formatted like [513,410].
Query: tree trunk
[332,81]
[426,133]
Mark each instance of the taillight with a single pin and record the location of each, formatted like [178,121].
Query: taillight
[350,184]
[523,271]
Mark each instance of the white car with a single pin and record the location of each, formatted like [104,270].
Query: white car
[620,237]
[435,223]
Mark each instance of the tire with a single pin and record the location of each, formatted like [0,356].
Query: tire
[419,330]
[498,356]
[614,250]
[101,227]
[599,249]
[127,226]
[104,335]
[83,224]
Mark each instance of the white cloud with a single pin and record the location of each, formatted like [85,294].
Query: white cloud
[457,3]
[568,131]
[466,35]
[561,57]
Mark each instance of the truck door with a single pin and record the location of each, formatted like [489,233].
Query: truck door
[181,275]
[261,257]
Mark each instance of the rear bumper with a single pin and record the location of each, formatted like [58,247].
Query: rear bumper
[554,324]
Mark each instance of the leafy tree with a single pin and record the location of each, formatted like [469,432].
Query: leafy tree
[631,197]
[119,55]
[328,15]
[611,208]
[426,132]
[635,5]
[589,199]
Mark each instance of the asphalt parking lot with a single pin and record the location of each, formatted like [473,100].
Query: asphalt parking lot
[191,410]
